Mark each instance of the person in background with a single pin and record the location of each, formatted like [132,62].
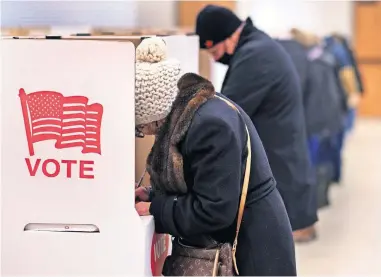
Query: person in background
[353,60]
[325,104]
[351,84]
[349,73]
[197,166]
[262,79]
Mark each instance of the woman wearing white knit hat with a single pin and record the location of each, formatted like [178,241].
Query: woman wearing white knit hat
[156,81]
[206,154]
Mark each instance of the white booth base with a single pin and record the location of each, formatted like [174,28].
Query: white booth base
[107,253]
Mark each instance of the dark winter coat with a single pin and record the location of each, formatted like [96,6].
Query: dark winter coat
[210,158]
[323,98]
[263,81]
[353,61]
[298,56]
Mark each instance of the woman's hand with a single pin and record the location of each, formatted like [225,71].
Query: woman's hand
[143,208]
[142,194]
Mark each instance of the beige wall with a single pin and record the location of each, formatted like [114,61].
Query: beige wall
[160,14]
[68,13]
[271,15]
[320,17]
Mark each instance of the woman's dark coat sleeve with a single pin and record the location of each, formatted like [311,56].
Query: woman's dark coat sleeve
[213,151]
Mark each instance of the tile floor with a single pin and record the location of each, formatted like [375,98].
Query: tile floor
[350,229]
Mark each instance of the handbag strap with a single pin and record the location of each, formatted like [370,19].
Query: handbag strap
[244,188]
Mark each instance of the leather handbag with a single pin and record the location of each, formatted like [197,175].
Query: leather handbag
[218,259]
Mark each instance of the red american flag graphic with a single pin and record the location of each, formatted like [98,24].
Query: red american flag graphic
[48,115]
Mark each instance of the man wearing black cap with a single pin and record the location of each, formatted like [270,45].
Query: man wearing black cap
[263,81]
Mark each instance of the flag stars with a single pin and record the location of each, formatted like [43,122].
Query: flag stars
[44,106]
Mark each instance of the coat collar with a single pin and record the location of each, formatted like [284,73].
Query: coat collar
[165,161]
[246,33]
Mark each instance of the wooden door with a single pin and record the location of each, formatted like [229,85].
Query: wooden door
[368,49]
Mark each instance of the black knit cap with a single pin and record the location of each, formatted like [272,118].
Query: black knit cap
[215,24]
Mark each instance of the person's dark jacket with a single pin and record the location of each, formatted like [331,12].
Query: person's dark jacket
[340,48]
[299,57]
[354,62]
[262,80]
[214,154]
[323,98]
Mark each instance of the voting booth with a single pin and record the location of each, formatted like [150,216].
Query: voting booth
[68,160]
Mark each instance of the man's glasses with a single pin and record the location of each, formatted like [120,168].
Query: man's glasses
[138,132]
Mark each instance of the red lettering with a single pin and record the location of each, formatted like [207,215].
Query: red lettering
[68,166]
[82,169]
[45,170]
[52,168]
[32,170]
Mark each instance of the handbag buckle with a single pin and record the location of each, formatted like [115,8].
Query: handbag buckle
[234,247]
[234,250]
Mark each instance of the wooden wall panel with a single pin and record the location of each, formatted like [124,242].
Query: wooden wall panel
[142,149]
[371,103]
[368,30]
[188,10]
[367,44]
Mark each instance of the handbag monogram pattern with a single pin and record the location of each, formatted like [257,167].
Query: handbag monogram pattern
[189,261]
[218,261]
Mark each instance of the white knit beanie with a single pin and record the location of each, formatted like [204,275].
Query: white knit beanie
[156,81]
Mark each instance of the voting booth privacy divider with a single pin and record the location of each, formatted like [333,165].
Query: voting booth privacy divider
[206,64]
[70,159]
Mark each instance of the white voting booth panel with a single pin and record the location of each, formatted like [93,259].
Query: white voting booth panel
[186,50]
[68,158]
[181,47]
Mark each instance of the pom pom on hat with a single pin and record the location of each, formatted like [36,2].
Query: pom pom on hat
[151,50]
[155,82]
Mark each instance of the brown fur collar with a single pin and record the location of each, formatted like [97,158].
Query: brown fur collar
[165,162]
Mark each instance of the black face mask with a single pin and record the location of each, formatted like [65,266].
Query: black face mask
[225,59]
